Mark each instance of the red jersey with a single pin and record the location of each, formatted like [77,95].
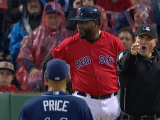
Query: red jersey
[92,65]
[10,89]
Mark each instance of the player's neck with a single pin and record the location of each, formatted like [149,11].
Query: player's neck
[95,35]
[57,88]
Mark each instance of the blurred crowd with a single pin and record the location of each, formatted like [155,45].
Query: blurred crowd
[29,31]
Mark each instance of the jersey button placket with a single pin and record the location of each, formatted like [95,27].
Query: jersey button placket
[95,65]
[92,50]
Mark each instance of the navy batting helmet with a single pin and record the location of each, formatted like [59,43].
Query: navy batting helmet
[95,1]
[87,13]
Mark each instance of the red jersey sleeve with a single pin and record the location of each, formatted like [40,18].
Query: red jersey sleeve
[61,50]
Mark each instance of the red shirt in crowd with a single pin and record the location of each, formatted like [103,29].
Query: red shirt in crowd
[10,89]
[117,6]
[113,9]
[92,65]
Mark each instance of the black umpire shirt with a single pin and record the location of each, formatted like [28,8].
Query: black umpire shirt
[139,79]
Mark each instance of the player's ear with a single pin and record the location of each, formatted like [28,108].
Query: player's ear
[96,23]
[67,79]
[45,78]
[155,42]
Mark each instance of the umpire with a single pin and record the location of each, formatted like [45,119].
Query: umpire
[139,75]
[56,104]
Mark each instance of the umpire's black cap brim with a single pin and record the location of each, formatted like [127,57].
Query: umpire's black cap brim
[145,33]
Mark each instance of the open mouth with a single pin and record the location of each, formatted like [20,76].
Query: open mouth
[144,48]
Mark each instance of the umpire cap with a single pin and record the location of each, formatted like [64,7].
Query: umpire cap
[146,29]
[57,70]
[87,13]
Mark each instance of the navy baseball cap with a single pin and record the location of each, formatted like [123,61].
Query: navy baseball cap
[57,70]
[51,9]
[146,29]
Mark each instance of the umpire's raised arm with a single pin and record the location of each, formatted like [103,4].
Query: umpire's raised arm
[127,58]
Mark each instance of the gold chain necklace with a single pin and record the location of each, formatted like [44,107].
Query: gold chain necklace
[98,34]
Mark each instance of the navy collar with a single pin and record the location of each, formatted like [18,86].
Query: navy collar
[55,93]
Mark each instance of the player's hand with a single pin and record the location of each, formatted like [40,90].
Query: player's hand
[135,48]
[35,72]
[76,3]
[24,39]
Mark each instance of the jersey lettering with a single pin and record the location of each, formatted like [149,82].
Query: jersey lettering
[47,118]
[78,64]
[87,60]
[63,118]
[106,60]
[83,61]
[54,105]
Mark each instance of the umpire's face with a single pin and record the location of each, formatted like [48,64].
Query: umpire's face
[147,43]
[87,29]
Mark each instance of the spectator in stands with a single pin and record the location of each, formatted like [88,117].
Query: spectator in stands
[127,37]
[114,7]
[154,3]
[11,14]
[6,76]
[31,17]
[39,43]
[15,9]
[141,13]
[77,3]
[67,5]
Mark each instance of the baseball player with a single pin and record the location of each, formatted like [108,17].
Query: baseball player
[92,54]
[56,104]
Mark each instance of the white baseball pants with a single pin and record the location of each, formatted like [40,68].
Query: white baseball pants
[103,109]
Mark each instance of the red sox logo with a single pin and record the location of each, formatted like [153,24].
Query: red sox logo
[78,12]
[6,65]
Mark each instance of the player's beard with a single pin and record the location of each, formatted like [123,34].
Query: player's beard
[87,33]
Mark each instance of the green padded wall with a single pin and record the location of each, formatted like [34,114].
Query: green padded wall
[17,101]
[5,106]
